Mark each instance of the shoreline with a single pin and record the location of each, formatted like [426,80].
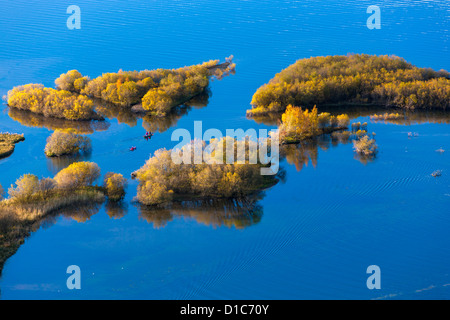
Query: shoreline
[8,143]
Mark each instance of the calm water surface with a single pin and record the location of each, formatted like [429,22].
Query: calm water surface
[310,237]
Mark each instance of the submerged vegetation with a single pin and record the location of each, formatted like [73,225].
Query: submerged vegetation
[7,143]
[66,143]
[155,92]
[358,79]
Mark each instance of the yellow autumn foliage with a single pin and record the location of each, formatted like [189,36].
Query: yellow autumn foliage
[355,78]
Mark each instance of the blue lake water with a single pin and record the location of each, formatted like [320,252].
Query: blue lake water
[315,235]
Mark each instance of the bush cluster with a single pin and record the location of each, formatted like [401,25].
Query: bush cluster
[66,143]
[76,179]
[52,103]
[298,124]
[362,79]
[161,180]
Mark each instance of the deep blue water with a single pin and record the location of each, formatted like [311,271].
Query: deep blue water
[319,230]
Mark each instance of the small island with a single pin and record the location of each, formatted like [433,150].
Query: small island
[32,201]
[8,142]
[31,197]
[298,124]
[162,182]
[360,79]
[62,143]
[154,92]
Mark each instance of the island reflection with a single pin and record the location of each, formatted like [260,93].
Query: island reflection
[14,229]
[30,119]
[408,117]
[237,213]
[150,123]
[307,151]
[111,111]
[56,164]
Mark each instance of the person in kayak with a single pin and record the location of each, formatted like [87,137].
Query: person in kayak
[148,134]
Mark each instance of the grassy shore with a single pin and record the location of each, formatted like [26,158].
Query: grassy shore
[37,206]
[7,143]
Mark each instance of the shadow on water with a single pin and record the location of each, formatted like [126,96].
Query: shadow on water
[111,111]
[150,123]
[30,119]
[216,213]
[407,117]
[307,151]
[116,210]
[14,230]
[56,164]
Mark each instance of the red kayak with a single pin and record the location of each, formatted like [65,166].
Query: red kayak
[133,148]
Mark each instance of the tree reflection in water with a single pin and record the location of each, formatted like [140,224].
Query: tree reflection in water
[301,154]
[14,230]
[116,210]
[30,119]
[151,123]
[307,151]
[237,213]
[111,111]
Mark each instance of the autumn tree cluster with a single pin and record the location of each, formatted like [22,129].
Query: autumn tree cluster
[76,178]
[52,103]
[386,116]
[115,185]
[158,91]
[355,78]
[66,143]
[298,124]
[365,146]
[162,181]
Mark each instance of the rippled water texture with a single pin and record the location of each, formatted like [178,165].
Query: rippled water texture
[311,237]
